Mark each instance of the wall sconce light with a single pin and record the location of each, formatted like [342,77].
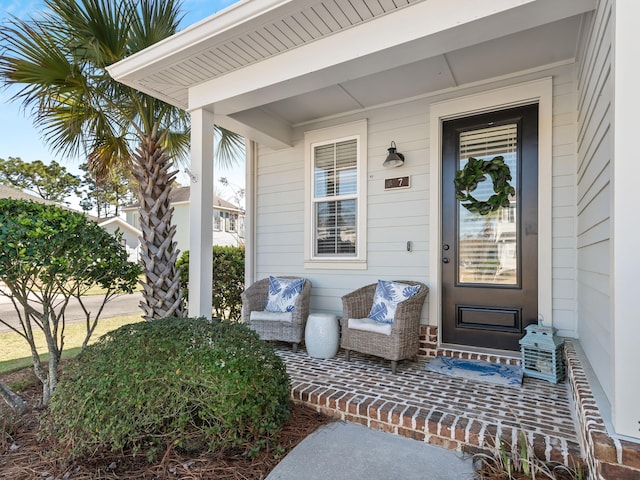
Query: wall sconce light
[394,159]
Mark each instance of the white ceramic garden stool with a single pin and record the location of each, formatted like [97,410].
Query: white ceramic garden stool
[322,335]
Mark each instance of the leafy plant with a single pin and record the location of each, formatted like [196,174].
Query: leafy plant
[172,383]
[49,255]
[519,462]
[476,171]
[23,382]
[228,280]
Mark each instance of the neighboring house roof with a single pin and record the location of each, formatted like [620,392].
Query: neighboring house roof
[9,192]
[182,195]
[120,223]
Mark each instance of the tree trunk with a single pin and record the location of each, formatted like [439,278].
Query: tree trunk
[13,399]
[162,296]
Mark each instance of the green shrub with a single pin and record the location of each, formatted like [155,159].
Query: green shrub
[185,383]
[49,258]
[228,280]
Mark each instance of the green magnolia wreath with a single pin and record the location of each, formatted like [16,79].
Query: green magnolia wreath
[474,172]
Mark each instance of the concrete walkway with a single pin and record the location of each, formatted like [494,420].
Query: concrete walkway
[348,451]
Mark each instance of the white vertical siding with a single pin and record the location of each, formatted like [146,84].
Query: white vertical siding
[564,202]
[594,194]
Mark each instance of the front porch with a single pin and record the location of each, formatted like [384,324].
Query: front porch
[464,415]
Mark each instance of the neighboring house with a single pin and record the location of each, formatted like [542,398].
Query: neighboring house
[228,220]
[320,89]
[130,235]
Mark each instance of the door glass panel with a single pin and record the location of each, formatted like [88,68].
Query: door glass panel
[488,244]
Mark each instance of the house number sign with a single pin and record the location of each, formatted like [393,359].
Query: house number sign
[398,182]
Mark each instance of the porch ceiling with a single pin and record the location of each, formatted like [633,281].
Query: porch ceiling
[265,66]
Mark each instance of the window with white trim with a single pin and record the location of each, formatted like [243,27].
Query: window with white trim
[336,206]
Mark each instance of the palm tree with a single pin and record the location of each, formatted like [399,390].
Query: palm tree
[58,63]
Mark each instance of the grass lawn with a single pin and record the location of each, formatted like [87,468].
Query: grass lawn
[97,290]
[16,354]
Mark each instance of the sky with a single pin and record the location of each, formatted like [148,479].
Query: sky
[19,138]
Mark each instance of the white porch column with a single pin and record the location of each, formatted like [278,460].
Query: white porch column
[250,213]
[625,234]
[201,214]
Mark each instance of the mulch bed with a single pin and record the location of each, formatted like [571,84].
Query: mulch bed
[23,456]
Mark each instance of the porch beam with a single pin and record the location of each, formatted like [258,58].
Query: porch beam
[201,215]
[258,125]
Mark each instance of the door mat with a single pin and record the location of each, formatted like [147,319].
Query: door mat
[483,371]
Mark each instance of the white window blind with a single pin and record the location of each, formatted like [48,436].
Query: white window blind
[335,187]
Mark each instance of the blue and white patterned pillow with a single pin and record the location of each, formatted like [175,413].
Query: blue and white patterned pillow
[388,295]
[283,293]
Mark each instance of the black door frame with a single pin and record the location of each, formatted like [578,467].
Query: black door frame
[489,315]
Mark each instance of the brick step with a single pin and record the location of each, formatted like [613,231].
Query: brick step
[608,458]
[454,413]
[434,427]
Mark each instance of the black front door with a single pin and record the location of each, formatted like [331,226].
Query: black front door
[490,262]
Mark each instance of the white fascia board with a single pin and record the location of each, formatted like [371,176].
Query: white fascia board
[217,27]
[435,16]
[154,92]
[122,225]
[227,209]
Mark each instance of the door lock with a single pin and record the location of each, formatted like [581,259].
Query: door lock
[445,260]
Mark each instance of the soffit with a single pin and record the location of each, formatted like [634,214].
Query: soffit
[521,51]
[285,63]
[278,30]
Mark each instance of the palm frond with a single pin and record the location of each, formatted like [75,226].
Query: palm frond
[33,61]
[231,147]
[97,29]
[152,22]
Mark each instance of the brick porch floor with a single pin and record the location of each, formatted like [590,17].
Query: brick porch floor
[454,413]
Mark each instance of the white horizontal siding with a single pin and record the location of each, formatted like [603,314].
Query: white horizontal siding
[594,195]
[280,210]
[396,217]
[279,213]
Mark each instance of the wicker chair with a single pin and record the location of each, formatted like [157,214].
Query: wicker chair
[404,340]
[254,299]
